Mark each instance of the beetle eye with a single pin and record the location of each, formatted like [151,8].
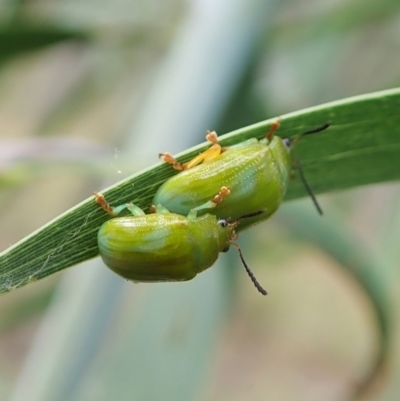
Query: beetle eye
[287,142]
[226,249]
[223,223]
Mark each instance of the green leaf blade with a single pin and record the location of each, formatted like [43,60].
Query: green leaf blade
[361,147]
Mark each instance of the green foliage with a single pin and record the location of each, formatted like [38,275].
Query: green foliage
[361,147]
[19,39]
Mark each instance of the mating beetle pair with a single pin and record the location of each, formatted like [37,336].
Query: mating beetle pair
[198,210]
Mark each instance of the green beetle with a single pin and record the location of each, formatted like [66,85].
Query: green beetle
[257,172]
[166,246]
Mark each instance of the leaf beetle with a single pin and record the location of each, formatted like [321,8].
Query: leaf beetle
[257,172]
[164,246]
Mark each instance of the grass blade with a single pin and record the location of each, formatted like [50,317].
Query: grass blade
[361,147]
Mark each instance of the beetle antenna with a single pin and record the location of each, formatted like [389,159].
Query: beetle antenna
[307,187]
[311,131]
[318,129]
[298,165]
[247,216]
[249,272]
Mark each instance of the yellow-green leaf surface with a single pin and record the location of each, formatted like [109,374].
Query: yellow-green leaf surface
[362,146]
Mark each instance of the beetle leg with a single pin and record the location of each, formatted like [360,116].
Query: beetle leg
[168,158]
[273,127]
[158,209]
[216,149]
[135,210]
[212,137]
[114,211]
[101,200]
[209,154]
[225,191]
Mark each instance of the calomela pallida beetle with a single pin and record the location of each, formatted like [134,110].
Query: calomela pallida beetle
[257,172]
[165,246]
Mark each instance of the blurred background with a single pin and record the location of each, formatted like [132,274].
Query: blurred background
[91,92]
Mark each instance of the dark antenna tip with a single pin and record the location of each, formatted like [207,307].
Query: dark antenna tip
[318,129]
[249,272]
[249,215]
[298,165]
[308,188]
[311,131]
